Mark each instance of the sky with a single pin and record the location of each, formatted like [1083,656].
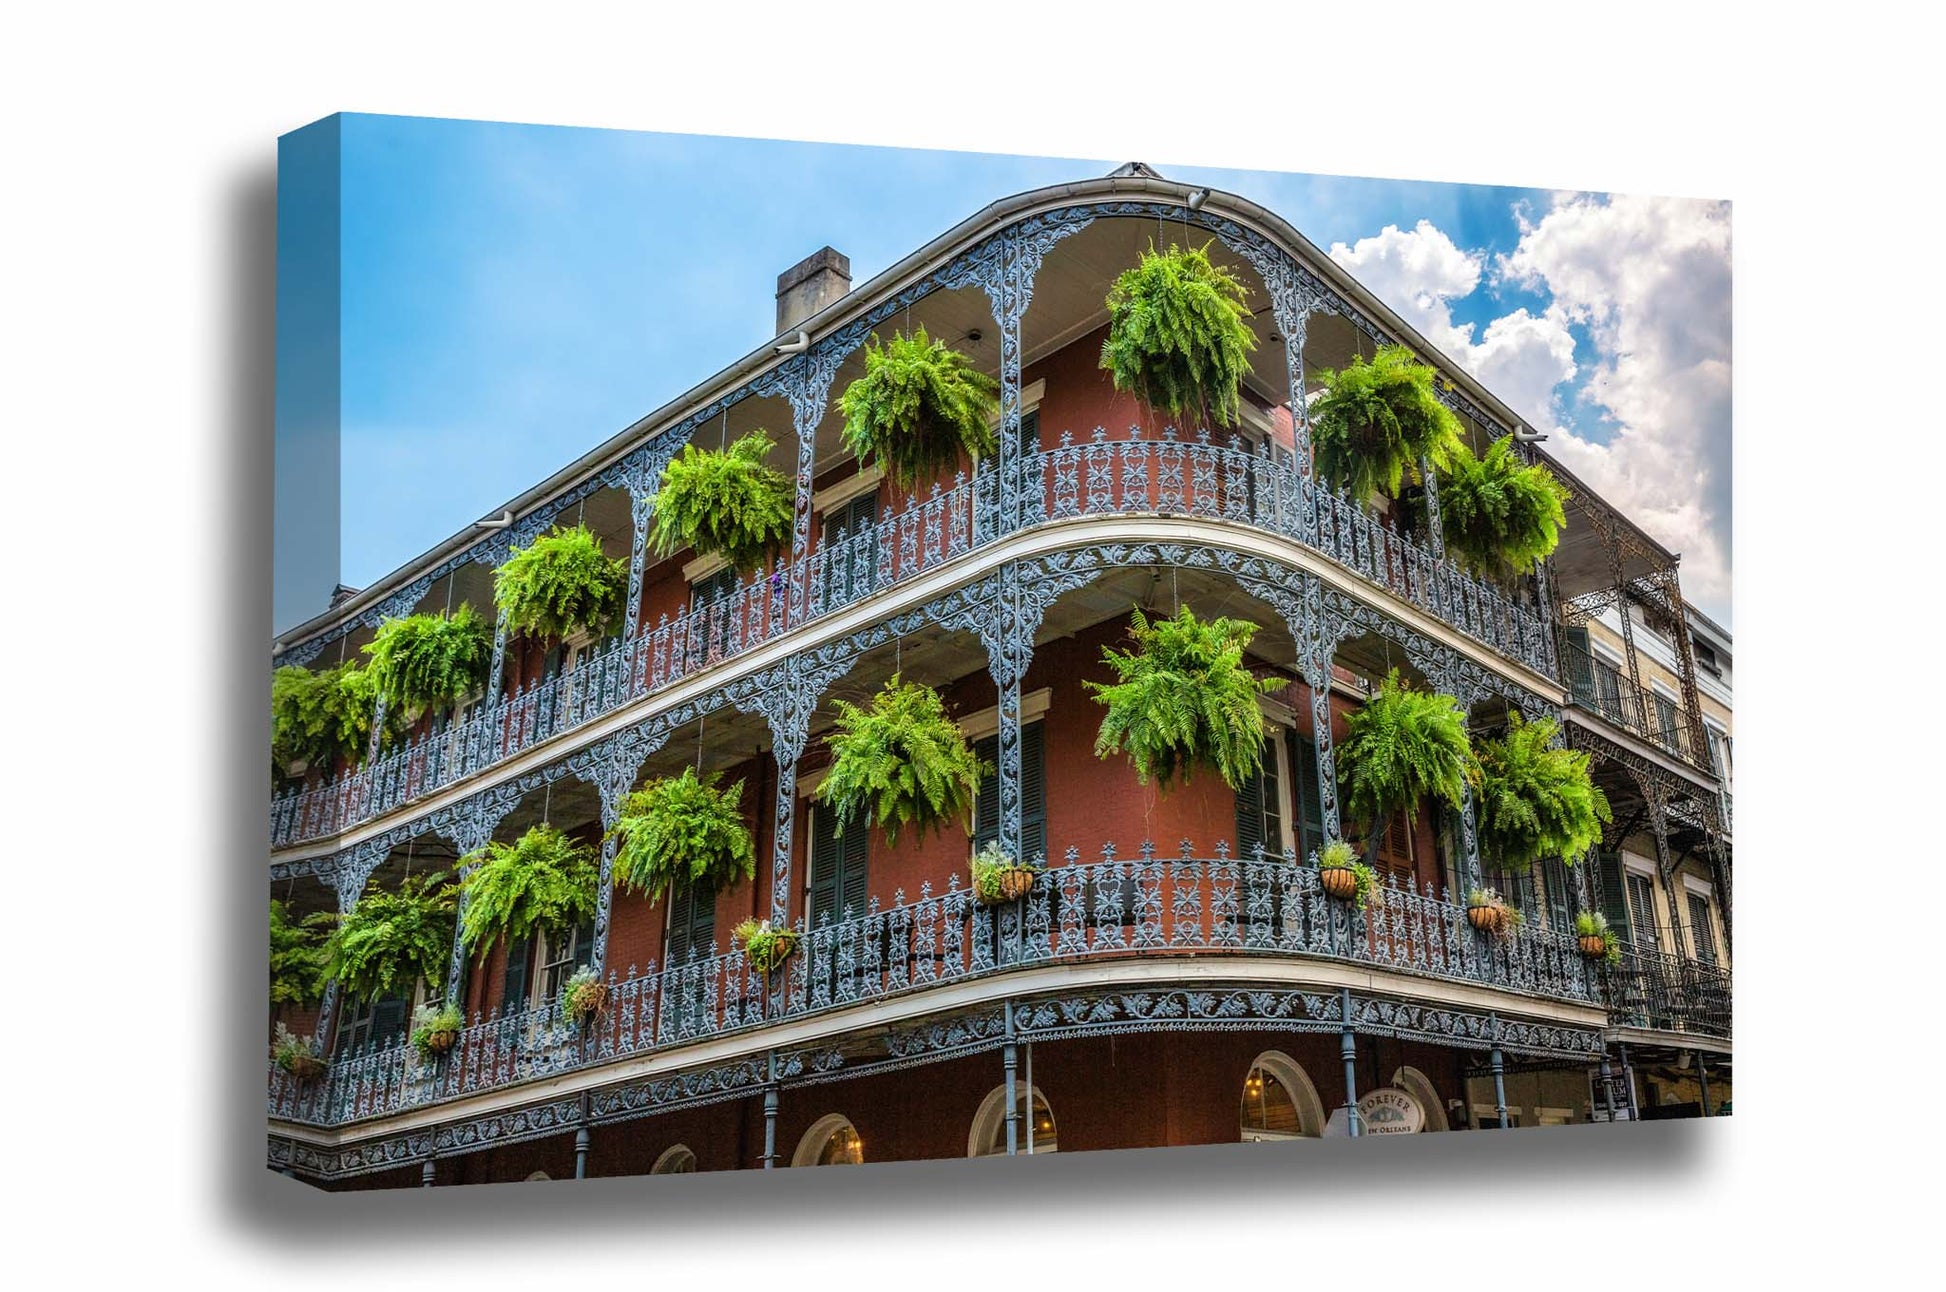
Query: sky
[514,295]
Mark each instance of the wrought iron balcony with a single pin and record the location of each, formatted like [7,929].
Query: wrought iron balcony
[1661,993]
[1112,909]
[1600,687]
[1139,475]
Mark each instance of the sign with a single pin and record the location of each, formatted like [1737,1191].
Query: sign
[1389,1111]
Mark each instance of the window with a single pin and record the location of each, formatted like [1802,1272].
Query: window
[1702,934]
[831,1141]
[677,1160]
[692,925]
[1260,805]
[1033,794]
[1641,910]
[1614,902]
[1278,1102]
[1033,491]
[1554,878]
[1309,819]
[850,545]
[1668,722]
[513,983]
[838,866]
[372,1023]
[989,1134]
[1719,750]
[561,954]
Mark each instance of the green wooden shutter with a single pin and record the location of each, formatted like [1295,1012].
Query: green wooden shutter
[838,867]
[1033,793]
[513,983]
[1641,905]
[692,924]
[1555,876]
[1310,802]
[1580,662]
[1252,828]
[1614,904]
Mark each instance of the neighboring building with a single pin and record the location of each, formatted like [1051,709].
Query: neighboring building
[1174,978]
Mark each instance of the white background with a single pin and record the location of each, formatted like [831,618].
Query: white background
[133,391]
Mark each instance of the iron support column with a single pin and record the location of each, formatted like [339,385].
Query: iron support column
[1497,1062]
[1010,1057]
[426,1174]
[1703,1076]
[770,1114]
[1348,1050]
[581,1153]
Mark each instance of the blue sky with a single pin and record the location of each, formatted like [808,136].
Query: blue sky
[514,295]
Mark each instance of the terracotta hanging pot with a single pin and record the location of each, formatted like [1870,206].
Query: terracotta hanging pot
[1484,918]
[1340,882]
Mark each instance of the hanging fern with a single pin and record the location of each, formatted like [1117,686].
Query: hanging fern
[561,584]
[1499,515]
[1536,801]
[1402,746]
[317,718]
[726,503]
[390,940]
[919,405]
[296,959]
[1375,421]
[542,882]
[429,661]
[1184,700]
[683,830]
[902,760]
[1178,334]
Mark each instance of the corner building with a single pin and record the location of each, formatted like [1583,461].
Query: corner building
[1176,976]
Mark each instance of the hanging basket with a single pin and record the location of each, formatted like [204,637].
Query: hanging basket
[1486,919]
[440,1042]
[1006,885]
[1340,882]
[304,1067]
[767,955]
[587,1001]
[1594,946]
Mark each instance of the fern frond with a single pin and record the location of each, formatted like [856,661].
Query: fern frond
[726,503]
[1375,420]
[683,830]
[1536,801]
[562,583]
[1402,746]
[543,882]
[1500,516]
[297,963]
[903,760]
[1184,700]
[427,661]
[391,939]
[919,406]
[1178,334]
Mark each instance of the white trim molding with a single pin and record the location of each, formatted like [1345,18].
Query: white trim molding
[980,725]
[863,481]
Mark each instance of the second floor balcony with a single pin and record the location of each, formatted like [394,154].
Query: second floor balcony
[1158,477]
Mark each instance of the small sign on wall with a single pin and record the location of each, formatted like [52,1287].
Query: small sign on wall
[1389,1111]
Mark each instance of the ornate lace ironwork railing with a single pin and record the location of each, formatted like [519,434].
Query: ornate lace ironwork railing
[1600,687]
[1141,474]
[1115,908]
[1663,993]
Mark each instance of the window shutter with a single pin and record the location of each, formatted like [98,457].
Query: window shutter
[388,1019]
[838,867]
[1559,904]
[513,985]
[1580,662]
[1260,808]
[1614,906]
[692,924]
[1641,902]
[1033,793]
[1310,806]
[986,804]
[1250,815]
[1702,936]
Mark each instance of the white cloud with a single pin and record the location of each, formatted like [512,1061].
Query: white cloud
[1521,357]
[1649,278]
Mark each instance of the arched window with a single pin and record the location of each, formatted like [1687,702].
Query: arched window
[989,1134]
[677,1160]
[831,1141]
[1416,1084]
[1279,1101]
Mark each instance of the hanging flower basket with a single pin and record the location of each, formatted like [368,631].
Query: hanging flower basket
[583,997]
[764,947]
[1342,876]
[1597,940]
[297,1055]
[998,878]
[1594,946]
[435,1029]
[1485,917]
[1339,881]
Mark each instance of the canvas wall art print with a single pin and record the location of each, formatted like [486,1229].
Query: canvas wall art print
[793,655]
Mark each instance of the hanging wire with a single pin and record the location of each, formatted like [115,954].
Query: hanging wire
[700,722]
[547,803]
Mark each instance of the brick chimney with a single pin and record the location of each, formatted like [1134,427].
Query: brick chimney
[810,285]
